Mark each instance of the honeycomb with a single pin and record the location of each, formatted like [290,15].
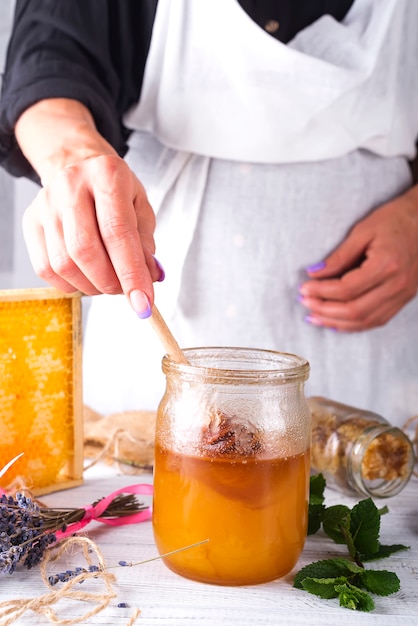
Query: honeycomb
[37,392]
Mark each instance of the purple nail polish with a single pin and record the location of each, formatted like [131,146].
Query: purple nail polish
[160,267]
[309,319]
[144,314]
[140,304]
[316,267]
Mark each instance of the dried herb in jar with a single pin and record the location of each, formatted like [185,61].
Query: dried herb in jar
[227,435]
[359,450]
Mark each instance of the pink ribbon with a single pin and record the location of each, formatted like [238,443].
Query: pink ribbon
[94,512]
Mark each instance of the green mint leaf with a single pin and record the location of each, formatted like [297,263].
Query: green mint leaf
[365,526]
[316,489]
[336,522]
[384,551]
[315,513]
[323,587]
[316,503]
[327,568]
[351,597]
[381,582]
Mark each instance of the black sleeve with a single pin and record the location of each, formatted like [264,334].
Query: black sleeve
[93,51]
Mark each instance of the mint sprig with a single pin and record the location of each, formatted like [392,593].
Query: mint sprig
[359,529]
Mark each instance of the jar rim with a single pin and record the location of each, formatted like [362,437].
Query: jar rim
[255,364]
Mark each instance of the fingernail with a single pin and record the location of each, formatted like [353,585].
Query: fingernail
[316,267]
[160,267]
[302,292]
[140,304]
[309,319]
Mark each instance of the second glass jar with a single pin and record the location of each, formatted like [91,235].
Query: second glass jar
[359,451]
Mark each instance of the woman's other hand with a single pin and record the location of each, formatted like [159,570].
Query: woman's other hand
[373,273]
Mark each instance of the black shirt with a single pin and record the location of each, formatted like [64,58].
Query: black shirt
[95,51]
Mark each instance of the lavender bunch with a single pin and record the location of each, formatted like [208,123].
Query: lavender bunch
[27,529]
[23,537]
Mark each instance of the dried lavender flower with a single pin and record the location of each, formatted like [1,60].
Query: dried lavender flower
[27,530]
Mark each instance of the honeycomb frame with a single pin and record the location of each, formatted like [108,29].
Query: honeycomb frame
[41,403]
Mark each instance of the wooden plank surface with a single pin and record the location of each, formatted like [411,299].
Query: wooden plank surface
[166,599]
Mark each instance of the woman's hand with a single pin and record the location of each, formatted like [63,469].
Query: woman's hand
[90,228]
[367,280]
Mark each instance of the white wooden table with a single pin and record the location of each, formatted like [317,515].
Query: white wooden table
[166,599]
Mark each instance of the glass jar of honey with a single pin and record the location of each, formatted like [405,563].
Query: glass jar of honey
[232,465]
[359,451]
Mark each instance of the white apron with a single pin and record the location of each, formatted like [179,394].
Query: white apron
[256,174]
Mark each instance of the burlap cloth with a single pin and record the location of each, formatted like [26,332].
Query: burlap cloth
[126,439]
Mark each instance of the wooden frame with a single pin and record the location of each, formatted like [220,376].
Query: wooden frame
[62,316]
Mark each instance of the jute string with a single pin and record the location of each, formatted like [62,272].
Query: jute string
[113,443]
[11,610]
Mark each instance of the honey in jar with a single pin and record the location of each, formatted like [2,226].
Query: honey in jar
[232,465]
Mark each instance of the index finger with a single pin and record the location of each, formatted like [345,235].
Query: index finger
[126,224]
